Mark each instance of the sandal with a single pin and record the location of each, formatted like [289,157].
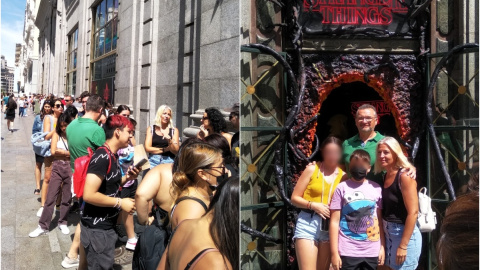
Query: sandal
[37,191]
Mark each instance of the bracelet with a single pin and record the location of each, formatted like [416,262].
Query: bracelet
[120,204]
[309,205]
[116,204]
[402,248]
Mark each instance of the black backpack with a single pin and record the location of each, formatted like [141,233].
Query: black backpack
[154,240]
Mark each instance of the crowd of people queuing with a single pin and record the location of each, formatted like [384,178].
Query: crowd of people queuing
[193,183]
[358,203]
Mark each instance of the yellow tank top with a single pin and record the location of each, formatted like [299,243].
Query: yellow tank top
[318,187]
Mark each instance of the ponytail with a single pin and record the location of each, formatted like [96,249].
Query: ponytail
[180,182]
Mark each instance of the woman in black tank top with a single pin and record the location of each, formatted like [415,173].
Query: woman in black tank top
[162,139]
[403,240]
[212,241]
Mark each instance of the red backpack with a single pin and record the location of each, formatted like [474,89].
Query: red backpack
[80,173]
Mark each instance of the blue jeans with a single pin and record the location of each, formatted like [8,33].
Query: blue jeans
[393,236]
[158,159]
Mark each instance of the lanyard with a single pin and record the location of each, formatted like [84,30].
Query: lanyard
[323,185]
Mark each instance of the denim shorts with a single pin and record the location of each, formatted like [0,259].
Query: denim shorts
[158,159]
[393,236]
[308,227]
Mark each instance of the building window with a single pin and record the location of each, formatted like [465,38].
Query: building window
[72,63]
[104,48]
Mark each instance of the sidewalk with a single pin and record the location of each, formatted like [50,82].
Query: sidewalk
[19,206]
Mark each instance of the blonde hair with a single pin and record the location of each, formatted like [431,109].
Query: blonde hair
[192,158]
[394,146]
[158,116]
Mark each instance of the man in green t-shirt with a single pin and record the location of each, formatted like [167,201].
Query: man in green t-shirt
[367,139]
[82,133]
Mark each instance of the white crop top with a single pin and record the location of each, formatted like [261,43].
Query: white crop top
[60,144]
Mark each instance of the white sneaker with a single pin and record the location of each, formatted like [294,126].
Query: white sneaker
[37,232]
[39,212]
[64,229]
[69,263]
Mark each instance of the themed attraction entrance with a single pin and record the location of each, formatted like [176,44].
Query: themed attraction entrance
[307,68]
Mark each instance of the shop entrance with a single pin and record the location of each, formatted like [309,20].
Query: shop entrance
[337,112]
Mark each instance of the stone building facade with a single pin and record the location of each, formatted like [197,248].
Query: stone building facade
[26,58]
[7,77]
[143,54]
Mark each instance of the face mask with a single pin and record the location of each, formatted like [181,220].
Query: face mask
[220,179]
[358,173]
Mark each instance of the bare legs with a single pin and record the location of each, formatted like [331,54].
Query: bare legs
[38,174]
[127,220]
[311,255]
[75,248]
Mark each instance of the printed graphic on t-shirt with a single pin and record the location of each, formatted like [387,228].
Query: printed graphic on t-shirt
[358,218]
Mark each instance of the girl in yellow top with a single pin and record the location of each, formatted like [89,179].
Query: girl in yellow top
[312,194]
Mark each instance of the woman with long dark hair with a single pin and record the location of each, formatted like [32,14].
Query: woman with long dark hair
[231,162]
[211,241]
[10,114]
[38,127]
[60,182]
[213,122]
[312,194]
[49,125]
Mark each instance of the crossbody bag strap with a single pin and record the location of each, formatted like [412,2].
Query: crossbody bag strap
[64,143]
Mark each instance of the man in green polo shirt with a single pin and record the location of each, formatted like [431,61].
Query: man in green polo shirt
[367,139]
[84,131]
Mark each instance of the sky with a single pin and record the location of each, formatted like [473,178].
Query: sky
[12,12]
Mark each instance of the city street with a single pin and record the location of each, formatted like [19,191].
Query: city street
[19,206]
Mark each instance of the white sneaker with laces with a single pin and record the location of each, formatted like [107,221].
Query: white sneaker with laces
[39,212]
[69,263]
[64,229]
[37,232]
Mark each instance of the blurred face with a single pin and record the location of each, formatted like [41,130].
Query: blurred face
[63,127]
[102,119]
[166,116]
[84,102]
[234,119]
[68,101]
[332,153]
[205,121]
[385,155]
[47,109]
[125,113]
[58,107]
[366,120]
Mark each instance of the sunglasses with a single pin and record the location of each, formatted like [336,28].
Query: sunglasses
[68,100]
[222,169]
[204,118]
[58,106]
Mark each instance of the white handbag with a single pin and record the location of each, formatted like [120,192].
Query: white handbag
[427,219]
